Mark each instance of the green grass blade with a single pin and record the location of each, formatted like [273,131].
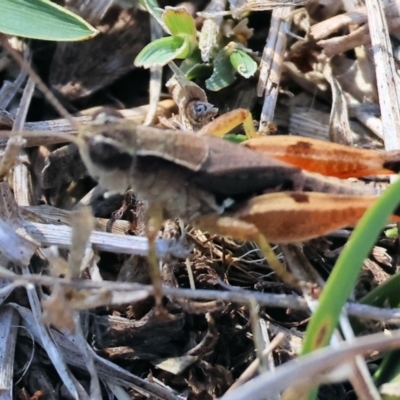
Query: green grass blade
[347,268]
[42,19]
[386,293]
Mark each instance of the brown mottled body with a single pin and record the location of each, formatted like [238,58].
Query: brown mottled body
[121,157]
[192,175]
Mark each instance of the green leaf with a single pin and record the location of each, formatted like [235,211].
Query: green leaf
[243,63]
[179,22]
[223,74]
[161,52]
[42,19]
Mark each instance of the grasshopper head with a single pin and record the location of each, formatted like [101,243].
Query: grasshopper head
[108,148]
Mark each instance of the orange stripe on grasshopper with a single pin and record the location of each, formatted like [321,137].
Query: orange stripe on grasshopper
[330,159]
[288,217]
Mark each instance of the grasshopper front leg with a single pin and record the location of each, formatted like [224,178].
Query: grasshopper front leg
[230,120]
[154,220]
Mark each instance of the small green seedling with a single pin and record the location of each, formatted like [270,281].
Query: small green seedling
[183,44]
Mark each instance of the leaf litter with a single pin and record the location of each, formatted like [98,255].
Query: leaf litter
[79,286]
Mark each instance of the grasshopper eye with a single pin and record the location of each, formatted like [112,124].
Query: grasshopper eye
[201,112]
[109,156]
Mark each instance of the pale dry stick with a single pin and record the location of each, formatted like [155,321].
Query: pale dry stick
[339,124]
[60,235]
[78,338]
[356,15]
[340,44]
[267,342]
[9,321]
[22,179]
[118,391]
[264,5]
[314,124]
[363,115]
[317,364]
[241,296]
[386,75]
[272,63]
[265,363]
[48,132]
[190,274]
[327,27]
[53,215]
[23,108]
[14,146]
[252,368]
[360,379]
[208,39]
[257,336]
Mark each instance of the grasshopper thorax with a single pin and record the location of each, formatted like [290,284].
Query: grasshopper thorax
[108,149]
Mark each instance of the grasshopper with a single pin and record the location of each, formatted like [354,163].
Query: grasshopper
[220,186]
[242,191]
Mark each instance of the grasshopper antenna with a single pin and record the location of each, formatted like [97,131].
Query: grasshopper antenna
[38,81]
